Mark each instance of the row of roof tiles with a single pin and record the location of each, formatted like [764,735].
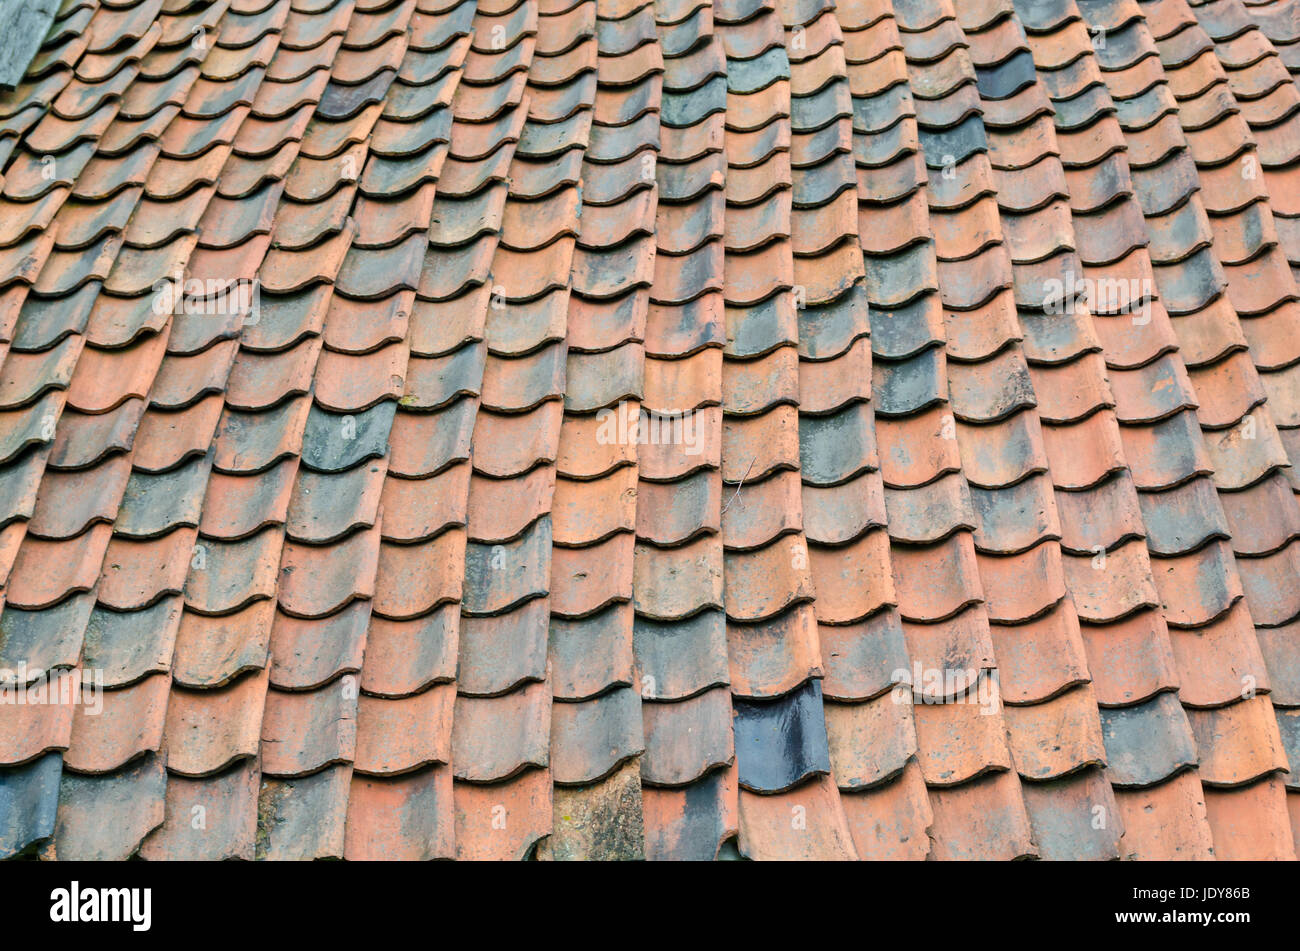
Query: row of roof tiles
[651,419]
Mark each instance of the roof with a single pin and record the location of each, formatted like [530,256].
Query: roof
[24,24]
[604,429]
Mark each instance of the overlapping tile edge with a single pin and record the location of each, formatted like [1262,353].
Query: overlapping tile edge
[671,430]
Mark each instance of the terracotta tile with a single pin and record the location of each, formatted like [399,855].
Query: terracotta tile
[836,514]
[130,723]
[1147,743]
[935,583]
[870,742]
[166,438]
[680,658]
[1056,738]
[1264,836]
[1040,659]
[1166,821]
[137,573]
[483,751]
[888,431]
[305,816]
[1237,743]
[958,649]
[123,648]
[68,502]
[502,821]
[131,800]
[510,445]
[303,732]
[591,739]
[213,651]
[411,580]
[403,657]
[76,562]
[821,831]
[577,591]
[317,581]
[1075,818]
[1237,669]
[985,819]
[674,829]
[797,719]
[591,655]
[771,658]
[399,735]
[762,583]
[589,511]
[229,804]
[891,821]
[238,506]
[220,579]
[260,381]
[914,450]
[44,721]
[217,727]
[109,377]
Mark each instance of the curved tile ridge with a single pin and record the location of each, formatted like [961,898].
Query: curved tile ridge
[688,772]
[267,435]
[328,741]
[1249,101]
[1140,691]
[1226,145]
[500,569]
[135,304]
[1268,106]
[870,731]
[45,611]
[51,286]
[1129,655]
[394,654]
[960,723]
[397,341]
[145,556]
[48,74]
[1054,730]
[1215,598]
[597,733]
[1228,19]
[780,729]
[961,754]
